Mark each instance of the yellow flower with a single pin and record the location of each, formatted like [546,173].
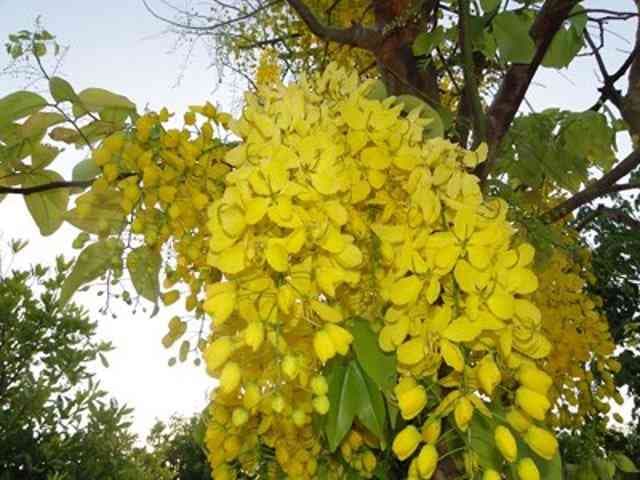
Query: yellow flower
[406,442]
[532,402]
[506,443]
[427,461]
[319,385]
[488,374]
[527,470]
[542,442]
[321,404]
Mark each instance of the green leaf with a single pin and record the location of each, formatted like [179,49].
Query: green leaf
[511,31]
[18,105]
[425,42]
[97,99]
[103,360]
[377,91]
[371,409]
[92,262]
[378,365]
[483,443]
[42,155]
[85,170]
[47,208]
[624,463]
[567,42]
[435,127]
[143,264]
[104,216]
[343,404]
[61,90]
[489,5]
[39,122]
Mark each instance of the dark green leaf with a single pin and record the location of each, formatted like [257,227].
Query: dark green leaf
[343,404]
[18,105]
[103,360]
[378,365]
[511,31]
[425,42]
[567,42]
[47,208]
[143,264]
[371,409]
[92,262]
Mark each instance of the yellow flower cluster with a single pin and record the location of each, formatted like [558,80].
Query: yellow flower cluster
[337,206]
[582,363]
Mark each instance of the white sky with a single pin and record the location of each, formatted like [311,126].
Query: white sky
[117,45]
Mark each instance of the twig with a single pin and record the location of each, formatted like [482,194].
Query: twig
[45,187]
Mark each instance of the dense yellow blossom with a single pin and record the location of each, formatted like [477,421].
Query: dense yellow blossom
[334,205]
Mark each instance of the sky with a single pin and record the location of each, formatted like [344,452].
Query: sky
[118,46]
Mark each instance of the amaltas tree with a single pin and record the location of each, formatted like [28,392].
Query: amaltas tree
[388,257]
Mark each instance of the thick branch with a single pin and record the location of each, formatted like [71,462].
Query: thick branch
[519,76]
[600,187]
[45,187]
[356,35]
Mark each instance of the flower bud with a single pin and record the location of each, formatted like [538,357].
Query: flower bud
[527,470]
[532,402]
[319,385]
[542,442]
[239,417]
[488,374]
[534,379]
[290,366]
[463,413]
[431,431]
[412,401]
[406,442]
[427,461]
[323,346]
[490,475]
[518,420]
[506,443]
[321,404]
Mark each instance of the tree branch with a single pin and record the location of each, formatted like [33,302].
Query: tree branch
[356,35]
[612,213]
[600,187]
[470,80]
[45,187]
[519,76]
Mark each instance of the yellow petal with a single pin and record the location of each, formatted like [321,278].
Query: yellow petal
[462,330]
[377,158]
[277,255]
[326,312]
[502,305]
[452,355]
[411,352]
[406,290]
[221,299]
